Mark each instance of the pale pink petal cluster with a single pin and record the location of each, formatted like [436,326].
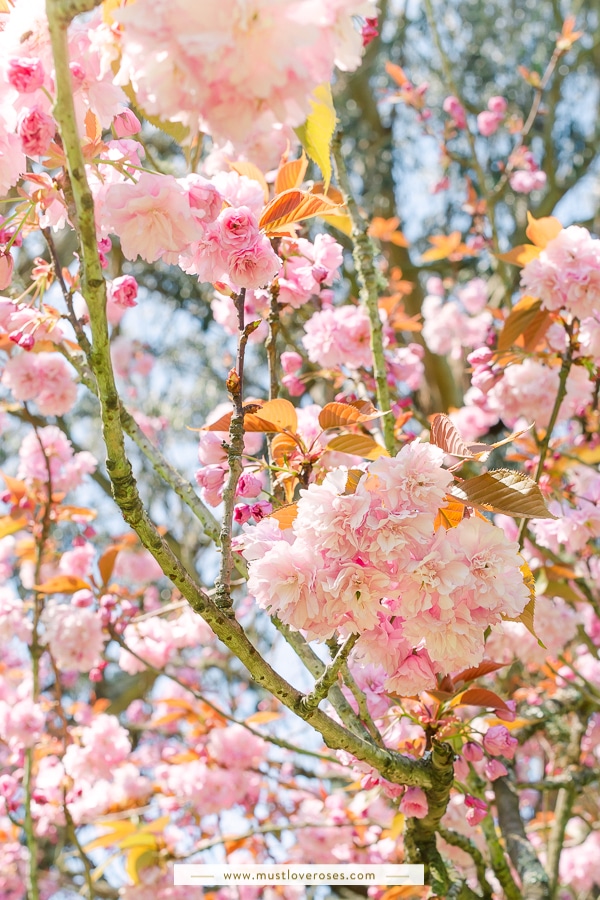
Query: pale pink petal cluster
[67,469]
[371,562]
[235,70]
[566,274]
[339,336]
[450,326]
[43,377]
[64,626]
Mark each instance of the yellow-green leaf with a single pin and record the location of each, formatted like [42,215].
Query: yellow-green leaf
[503,491]
[317,132]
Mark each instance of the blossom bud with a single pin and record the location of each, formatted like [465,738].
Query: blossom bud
[497,105]
[77,75]
[126,124]
[472,752]
[291,362]
[414,803]
[476,809]
[498,742]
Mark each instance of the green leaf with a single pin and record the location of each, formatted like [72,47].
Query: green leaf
[316,133]
[503,491]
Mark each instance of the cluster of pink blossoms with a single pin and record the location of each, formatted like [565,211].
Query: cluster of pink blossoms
[449,326]
[566,275]
[247,71]
[371,562]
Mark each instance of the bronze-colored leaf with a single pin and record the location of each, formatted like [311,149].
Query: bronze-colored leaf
[343,414]
[541,231]
[484,668]
[503,491]
[479,697]
[520,256]
[451,515]
[285,515]
[291,174]
[521,316]
[280,413]
[293,206]
[354,476]
[358,445]
[62,584]
[445,434]
[283,446]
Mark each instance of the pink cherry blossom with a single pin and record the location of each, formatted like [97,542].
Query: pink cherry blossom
[488,122]
[339,337]
[414,803]
[566,274]
[152,217]
[26,74]
[36,130]
[64,626]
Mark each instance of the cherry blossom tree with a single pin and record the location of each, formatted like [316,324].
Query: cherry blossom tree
[362,625]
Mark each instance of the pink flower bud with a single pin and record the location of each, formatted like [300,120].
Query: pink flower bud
[6,269]
[126,124]
[476,810]
[499,742]
[454,108]
[25,74]
[461,769]
[414,803]
[291,362]
[494,769]
[242,514]
[248,485]
[36,130]
[488,123]
[497,105]
[293,385]
[510,714]
[369,30]
[472,752]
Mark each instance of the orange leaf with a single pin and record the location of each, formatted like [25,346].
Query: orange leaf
[283,446]
[479,697]
[107,561]
[484,668]
[291,174]
[11,524]
[280,413]
[253,172]
[285,515]
[17,488]
[93,129]
[446,246]
[354,476]
[397,73]
[358,445]
[62,584]
[449,516]
[503,491]
[521,316]
[343,414]
[265,715]
[521,255]
[542,231]
[387,230]
[293,206]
